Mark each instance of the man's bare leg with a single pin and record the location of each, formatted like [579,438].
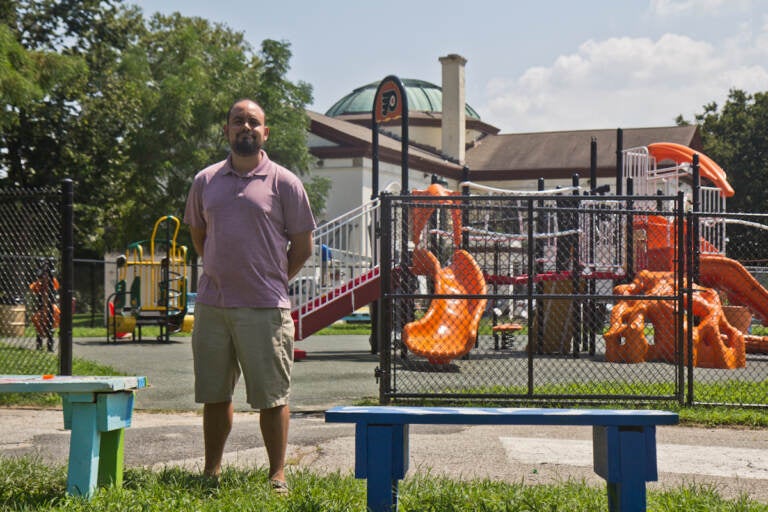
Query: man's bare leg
[217,424]
[274,430]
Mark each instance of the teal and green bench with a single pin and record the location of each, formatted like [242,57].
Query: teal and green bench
[97,410]
[624,443]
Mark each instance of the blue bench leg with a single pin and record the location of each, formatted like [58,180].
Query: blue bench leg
[626,458]
[84,446]
[96,447]
[381,456]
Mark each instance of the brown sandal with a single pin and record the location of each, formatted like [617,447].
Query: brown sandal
[279,487]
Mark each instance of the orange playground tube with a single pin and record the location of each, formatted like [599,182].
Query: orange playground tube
[448,330]
[421,214]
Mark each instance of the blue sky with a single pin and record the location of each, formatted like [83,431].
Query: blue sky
[531,66]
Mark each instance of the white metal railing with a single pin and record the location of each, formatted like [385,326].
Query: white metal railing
[345,256]
[637,164]
[509,192]
[648,179]
[600,245]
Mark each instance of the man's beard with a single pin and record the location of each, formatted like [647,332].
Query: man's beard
[246,146]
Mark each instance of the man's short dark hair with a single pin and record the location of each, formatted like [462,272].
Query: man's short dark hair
[229,112]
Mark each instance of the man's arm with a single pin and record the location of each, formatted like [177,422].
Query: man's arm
[198,239]
[299,251]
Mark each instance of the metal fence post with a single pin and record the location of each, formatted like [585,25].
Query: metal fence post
[67,276]
[384,371]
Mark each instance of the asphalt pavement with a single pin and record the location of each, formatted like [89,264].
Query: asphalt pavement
[338,370]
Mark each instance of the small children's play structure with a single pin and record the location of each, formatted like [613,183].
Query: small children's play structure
[151,287]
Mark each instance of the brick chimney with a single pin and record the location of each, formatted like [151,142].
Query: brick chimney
[454,134]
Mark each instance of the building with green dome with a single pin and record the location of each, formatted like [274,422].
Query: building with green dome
[447,136]
[422,97]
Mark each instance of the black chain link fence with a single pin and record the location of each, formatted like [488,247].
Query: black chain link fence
[91,288]
[559,298]
[740,279]
[30,269]
[565,299]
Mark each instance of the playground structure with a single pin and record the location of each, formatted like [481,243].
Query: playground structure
[157,295]
[585,255]
[716,343]
[438,262]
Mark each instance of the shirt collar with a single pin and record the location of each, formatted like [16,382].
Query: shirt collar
[259,169]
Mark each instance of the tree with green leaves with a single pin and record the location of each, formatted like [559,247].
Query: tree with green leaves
[736,137]
[131,108]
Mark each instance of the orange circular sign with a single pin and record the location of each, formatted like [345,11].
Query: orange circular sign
[388,104]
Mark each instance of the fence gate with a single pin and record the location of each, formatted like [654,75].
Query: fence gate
[515,298]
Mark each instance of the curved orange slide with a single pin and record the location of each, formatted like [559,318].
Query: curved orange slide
[730,276]
[679,154]
[448,330]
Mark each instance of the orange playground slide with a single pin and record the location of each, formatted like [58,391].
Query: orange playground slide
[730,276]
[683,154]
[448,330]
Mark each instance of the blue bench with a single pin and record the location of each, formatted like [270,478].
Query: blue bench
[97,410]
[624,443]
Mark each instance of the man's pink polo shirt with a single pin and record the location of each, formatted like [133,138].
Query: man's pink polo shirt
[247,221]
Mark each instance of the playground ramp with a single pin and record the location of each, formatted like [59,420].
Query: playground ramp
[741,287]
[341,275]
[337,303]
[448,330]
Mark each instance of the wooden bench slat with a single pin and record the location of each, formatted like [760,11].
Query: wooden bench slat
[68,384]
[497,416]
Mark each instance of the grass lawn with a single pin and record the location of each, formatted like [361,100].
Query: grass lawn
[81,328]
[30,485]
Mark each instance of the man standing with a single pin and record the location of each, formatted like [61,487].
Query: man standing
[250,221]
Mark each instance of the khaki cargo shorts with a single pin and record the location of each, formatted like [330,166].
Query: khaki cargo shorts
[254,342]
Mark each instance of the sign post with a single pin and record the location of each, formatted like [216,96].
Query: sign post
[389,104]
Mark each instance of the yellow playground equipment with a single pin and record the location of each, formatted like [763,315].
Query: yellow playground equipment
[157,274]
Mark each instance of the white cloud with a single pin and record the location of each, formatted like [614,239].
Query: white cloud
[624,82]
